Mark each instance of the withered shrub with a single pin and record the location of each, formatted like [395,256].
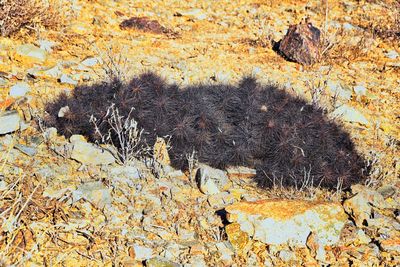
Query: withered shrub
[18,14]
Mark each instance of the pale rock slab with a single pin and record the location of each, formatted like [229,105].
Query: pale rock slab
[142,253]
[65,79]
[88,153]
[94,192]
[9,122]
[350,114]
[196,14]
[278,222]
[20,89]
[31,52]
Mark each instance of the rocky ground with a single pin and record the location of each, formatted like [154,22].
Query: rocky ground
[68,202]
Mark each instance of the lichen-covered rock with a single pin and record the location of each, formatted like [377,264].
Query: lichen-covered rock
[277,222]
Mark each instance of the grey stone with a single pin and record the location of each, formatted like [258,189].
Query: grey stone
[32,52]
[67,80]
[226,250]
[46,45]
[89,154]
[360,205]
[94,192]
[350,114]
[173,250]
[30,151]
[90,62]
[197,14]
[392,54]
[360,90]
[220,200]
[50,133]
[349,27]
[20,89]
[211,181]
[53,72]
[142,253]
[9,122]
[130,172]
[63,110]
[287,255]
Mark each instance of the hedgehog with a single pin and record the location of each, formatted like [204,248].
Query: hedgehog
[259,126]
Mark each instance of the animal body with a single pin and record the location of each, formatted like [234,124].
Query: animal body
[260,126]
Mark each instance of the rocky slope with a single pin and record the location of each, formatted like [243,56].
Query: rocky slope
[68,202]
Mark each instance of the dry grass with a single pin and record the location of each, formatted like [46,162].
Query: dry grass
[28,14]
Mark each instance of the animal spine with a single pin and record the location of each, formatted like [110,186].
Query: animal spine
[263,127]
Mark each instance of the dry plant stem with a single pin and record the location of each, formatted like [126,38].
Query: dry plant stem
[123,132]
[7,154]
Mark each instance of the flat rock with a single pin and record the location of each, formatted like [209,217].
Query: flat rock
[160,262]
[46,72]
[9,122]
[89,154]
[27,150]
[392,54]
[220,200]
[360,90]
[196,14]
[240,172]
[226,251]
[31,52]
[142,253]
[130,172]
[20,89]
[277,222]
[94,192]
[91,61]
[361,204]
[46,45]
[350,114]
[67,80]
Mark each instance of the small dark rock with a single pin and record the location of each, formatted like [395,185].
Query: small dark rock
[301,43]
[144,24]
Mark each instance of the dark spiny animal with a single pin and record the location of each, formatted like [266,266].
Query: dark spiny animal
[263,127]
